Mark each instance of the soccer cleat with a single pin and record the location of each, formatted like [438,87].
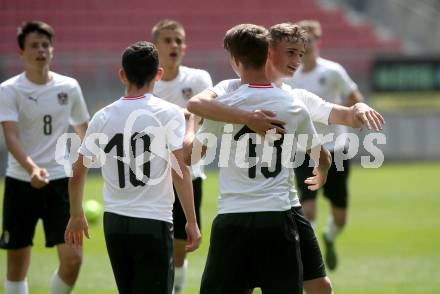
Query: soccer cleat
[331,259]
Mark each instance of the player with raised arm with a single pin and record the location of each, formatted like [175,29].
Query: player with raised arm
[36,109]
[178,84]
[254,204]
[330,81]
[141,138]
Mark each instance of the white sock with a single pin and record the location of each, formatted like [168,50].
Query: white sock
[16,287]
[58,286]
[331,229]
[179,277]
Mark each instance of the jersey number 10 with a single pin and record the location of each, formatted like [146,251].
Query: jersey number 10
[118,142]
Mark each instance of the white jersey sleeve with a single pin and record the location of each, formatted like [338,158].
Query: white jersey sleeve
[94,127]
[176,130]
[8,105]
[318,108]
[225,86]
[209,127]
[79,113]
[306,127]
[204,82]
[343,81]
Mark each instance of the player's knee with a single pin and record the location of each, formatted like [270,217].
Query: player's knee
[318,286]
[72,262]
[341,224]
[340,221]
[179,252]
[17,268]
[325,285]
[309,211]
[16,273]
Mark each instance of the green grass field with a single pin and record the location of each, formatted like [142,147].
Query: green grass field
[391,244]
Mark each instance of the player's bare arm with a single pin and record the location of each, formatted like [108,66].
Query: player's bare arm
[182,183]
[191,127]
[354,97]
[81,129]
[356,116]
[260,121]
[77,226]
[320,171]
[38,175]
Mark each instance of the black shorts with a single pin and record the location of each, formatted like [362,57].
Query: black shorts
[250,250]
[23,205]
[179,219]
[141,253]
[313,264]
[335,189]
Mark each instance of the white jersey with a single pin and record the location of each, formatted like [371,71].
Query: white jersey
[330,81]
[189,82]
[42,113]
[319,111]
[264,184]
[317,107]
[141,125]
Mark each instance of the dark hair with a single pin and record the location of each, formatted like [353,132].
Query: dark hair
[249,43]
[140,62]
[31,27]
[165,24]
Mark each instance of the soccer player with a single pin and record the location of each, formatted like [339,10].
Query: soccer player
[285,51]
[178,84]
[330,81]
[141,134]
[254,239]
[36,108]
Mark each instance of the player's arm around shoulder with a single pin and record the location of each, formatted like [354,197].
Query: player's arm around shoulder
[357,116]
[201,103]
[205,105]
[77,225]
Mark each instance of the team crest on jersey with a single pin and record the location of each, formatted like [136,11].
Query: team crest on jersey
[63,98]
[322,81]
[187,92]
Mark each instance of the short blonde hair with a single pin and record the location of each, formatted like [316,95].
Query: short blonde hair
[312,27]
[287,31]
[165,24]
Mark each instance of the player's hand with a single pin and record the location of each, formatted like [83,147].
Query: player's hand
[318,179]
[261,120]
[364,115]
[76,228]
[39,177]
[193,237]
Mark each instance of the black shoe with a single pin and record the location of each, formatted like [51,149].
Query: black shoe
[331,259]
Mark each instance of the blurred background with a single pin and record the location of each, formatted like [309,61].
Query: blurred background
[391,49]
